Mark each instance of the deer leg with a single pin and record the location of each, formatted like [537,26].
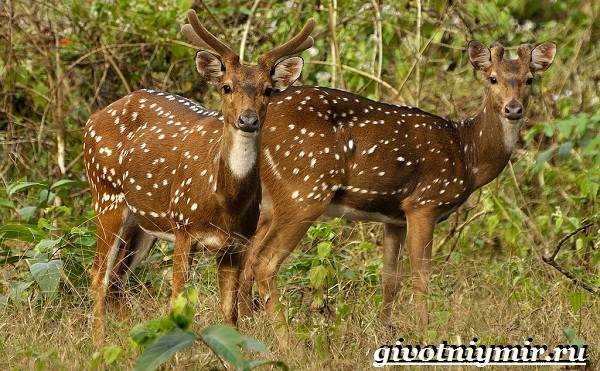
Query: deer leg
[109,229]
[141,246]
[281,239]
[181,253]
[246,278]
[419,241]
[127,239]
[393,242]
[229,265]
[134,247]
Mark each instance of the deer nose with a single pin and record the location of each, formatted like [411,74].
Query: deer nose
[248,122]
[513,110]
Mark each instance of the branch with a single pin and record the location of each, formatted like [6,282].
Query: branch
[362,73]
[459,229]
[551,262]
[246,29]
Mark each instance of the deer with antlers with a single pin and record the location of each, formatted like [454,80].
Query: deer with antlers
[162,166]
[331,153]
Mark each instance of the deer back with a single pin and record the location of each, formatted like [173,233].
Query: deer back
[324,145]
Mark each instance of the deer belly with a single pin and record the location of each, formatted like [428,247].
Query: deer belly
[210,239]
[353,214]
[159,234]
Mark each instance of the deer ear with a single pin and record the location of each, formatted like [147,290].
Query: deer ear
[210,66]
[542,57]
[479,55]
[286,72]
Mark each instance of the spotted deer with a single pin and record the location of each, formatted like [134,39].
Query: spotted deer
[332,153]
[162,166]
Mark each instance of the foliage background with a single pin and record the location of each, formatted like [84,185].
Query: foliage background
[62,60]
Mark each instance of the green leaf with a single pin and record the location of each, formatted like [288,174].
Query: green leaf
[7,257]
[47,275]
[27,212]
[577,300]
[6,203]
[62,183]
[18,232]
[324,249]
[317,276]
[565,149]
[224,340]
[47,244]
[542,158]
[46,224]
[46,197]
[143,335]
[570,334]
[161,350]
[228,343]
[366,246]
[19,186]
[111,353]
[183,308]
[17,290]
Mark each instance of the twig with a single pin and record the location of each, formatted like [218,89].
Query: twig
[334,46]
[550,260]
[417,61]
[434,35]
[343,22]
[362,73]
[117,70]
[246,29]
[565,238]
[450,233]
[459,231]
[212,17]
[59,112]
[101,83]
[74,161]
[527,214]
[379,40]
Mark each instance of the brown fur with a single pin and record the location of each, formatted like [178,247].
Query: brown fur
[329,152]
[164,165]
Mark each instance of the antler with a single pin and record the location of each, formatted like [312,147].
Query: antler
[198,35]
[524,53]
[295,45]
[497,52]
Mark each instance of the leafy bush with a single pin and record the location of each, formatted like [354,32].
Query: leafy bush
[160,339]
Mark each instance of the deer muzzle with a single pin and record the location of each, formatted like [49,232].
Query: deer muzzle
[248,122]
[513,110]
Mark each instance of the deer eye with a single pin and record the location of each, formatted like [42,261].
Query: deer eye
[493,80]
[268,92]
[529,81]
[226,89]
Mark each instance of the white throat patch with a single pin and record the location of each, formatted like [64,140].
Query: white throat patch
[242,155]
[510,132]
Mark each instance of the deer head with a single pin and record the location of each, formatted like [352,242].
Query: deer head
[510,80]
[245,89]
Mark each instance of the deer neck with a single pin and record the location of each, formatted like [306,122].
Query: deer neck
[237,166]
[488,140]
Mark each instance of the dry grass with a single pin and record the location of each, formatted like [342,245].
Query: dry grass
[497,299]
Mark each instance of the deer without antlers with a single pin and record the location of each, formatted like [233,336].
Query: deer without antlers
[333,153]
[162,166]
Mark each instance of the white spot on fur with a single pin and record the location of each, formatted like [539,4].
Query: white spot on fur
[272,163]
